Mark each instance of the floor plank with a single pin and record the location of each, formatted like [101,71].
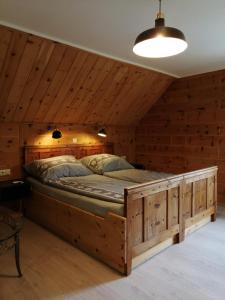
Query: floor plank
[55,270]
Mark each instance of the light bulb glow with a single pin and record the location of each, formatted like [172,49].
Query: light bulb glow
[160,46]
[101,134]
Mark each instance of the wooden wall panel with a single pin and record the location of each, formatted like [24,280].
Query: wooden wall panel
[13,136]
[10,152]
[185,129]
[43,81]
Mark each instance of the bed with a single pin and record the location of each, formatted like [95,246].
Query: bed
[137,176]
[153,215]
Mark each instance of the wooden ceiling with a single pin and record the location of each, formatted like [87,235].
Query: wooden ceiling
[48,82]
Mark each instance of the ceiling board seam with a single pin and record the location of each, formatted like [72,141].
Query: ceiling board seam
[121,98]
[77,100]
[9,43]
[38,64]
[36,88]
[21,95]
[47,76]
[66,106]
[13,44]
[67,82]
[37,115]
[51,111]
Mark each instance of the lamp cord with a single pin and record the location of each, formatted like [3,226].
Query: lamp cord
[160,6]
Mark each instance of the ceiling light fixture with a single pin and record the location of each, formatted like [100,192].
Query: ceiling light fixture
[160,41]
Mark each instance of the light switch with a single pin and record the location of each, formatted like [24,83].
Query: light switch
[5,172]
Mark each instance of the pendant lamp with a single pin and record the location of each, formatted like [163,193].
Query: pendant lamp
[160,41]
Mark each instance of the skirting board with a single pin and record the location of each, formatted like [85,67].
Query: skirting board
[197,226]
[140,259]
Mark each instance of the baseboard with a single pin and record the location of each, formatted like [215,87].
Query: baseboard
[197,225]
[140,259]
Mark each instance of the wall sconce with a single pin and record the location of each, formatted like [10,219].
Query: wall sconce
[56,134]
[102,132]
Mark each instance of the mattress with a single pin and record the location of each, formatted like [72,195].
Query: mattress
[94,186]
[93,205]
[137,176]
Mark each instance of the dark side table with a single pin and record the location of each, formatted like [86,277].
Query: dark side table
[138,166]
[10,227]
[13,191]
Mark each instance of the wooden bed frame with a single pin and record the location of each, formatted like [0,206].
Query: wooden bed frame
[156,214]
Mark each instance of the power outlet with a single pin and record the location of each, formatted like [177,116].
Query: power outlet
[5,172]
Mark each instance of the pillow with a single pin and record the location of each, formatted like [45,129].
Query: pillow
[116,164]
[101,163]
[65,170]
[37,167]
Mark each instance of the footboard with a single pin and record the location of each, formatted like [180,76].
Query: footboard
[154,215]
[160,212]
[200,198]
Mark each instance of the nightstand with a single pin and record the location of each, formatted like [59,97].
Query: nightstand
[13,192]
[138,166]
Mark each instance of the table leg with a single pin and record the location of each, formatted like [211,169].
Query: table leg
[17,254]
[21,205]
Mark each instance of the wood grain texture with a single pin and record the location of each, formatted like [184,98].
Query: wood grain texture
[156,211]
[41,152]
[14,136]
[45,81]
[191,270]
[153,213]
[185,129]
[107,242]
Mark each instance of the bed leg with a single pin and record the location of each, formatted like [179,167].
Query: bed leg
[128,265]
[181,234]
[213,217]
[179,238]
[128,268]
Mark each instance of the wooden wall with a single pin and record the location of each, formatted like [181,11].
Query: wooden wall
[14,136]
[185,129]
[44,81]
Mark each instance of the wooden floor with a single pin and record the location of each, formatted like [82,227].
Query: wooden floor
[53,269]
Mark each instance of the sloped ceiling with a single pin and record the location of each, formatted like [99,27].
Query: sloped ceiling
[49,82]
[110,27]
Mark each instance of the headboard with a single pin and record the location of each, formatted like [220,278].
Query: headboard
[38,152]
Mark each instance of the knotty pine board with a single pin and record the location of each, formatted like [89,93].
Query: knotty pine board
[42,81]
[185,129]
[14,136]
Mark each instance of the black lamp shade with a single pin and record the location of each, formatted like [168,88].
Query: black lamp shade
[102,132]
[160,41]
[152,33]
[56,134]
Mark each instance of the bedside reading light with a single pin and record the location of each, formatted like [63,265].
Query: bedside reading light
[102,133]
[56,134]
